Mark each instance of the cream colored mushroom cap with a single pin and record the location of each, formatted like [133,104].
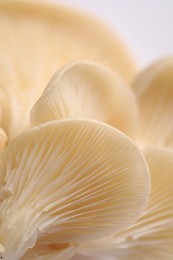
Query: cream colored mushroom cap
[38,38]
[151,236]
[86,89]
[154,91]
[75,179]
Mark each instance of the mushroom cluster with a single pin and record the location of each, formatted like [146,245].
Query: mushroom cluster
[89,174]
[74,183]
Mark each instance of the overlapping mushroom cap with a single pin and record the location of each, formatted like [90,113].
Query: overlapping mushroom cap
[73,185]
[151,237]
[80,185]
[75,180]
[88,90]
[59,35]
[154,91]
[36,39]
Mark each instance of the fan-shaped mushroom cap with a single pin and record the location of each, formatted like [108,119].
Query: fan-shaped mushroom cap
[37,38]
[59,35]
[75,179]
[151,237]
[88,90]
[154,90]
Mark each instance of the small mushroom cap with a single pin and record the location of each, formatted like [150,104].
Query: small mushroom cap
[154,90]
[151,237]
[89,90]
[75,179]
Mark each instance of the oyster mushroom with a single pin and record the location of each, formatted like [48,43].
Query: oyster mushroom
[59,35]
[38,38]
[151,237]
[86,89]
[154,91]
[73,181]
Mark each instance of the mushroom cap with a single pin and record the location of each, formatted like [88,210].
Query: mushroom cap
[86,89]
[154,91]
[151,236]
[36,39]
[59,35]
[76,180]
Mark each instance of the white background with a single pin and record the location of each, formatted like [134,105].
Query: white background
[146,26]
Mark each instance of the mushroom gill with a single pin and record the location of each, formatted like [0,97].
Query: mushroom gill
[89,90]
[151,236]
[73,180]
[154,90]
[36,39]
